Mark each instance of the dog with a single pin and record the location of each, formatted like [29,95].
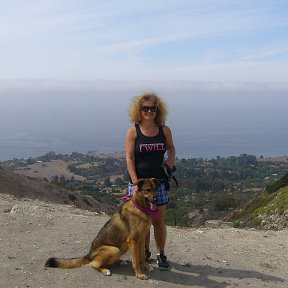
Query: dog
[125,230]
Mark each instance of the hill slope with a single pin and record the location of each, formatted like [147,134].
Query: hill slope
[21,186]
[269,210]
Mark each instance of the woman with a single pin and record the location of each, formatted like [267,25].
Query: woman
[146,144]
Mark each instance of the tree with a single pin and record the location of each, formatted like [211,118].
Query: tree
[107,182]
[224,202]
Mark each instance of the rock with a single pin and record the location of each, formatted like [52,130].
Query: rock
[197,218]
[218,224]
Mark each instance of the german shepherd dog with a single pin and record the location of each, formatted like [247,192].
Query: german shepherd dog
[125,230]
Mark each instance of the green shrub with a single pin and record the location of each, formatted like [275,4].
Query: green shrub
[236,223]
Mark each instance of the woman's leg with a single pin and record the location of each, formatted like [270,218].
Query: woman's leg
[147,241]
[160,232]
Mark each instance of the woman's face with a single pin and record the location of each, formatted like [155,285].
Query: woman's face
[148,110]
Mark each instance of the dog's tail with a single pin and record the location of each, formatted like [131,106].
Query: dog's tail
[66,263]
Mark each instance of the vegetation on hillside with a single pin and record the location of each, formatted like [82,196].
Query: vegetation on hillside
[216,186]
[267,210]
[220,185]
[278,184]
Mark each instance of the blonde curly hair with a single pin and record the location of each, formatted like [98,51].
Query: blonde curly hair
[135,108]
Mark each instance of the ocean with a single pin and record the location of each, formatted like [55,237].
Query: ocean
[207,119]
[194,145]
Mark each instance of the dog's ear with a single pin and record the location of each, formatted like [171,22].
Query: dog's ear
[156,182]
[139,183]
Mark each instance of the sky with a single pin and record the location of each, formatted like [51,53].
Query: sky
[69,68]
[135,40]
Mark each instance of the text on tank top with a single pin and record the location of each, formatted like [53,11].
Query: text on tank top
[149,154]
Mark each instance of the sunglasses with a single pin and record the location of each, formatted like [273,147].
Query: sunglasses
[147,108]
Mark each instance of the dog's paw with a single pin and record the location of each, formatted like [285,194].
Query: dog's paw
[142,276]
[107,272]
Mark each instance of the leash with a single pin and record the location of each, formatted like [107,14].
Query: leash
[126,197]
[169,172]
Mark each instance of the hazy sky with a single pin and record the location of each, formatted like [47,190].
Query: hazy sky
[196,40]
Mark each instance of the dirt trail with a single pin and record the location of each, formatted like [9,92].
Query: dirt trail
[32,231]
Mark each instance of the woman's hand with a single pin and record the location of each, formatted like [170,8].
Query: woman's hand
[135,189]
[169,163]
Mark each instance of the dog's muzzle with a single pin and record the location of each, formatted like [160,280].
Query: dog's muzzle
[151,204]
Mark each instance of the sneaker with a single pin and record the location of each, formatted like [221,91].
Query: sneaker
[147,255]
[162,262]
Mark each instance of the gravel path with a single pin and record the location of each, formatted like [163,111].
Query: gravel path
[32,231]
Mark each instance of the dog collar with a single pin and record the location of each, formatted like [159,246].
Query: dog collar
[144,209]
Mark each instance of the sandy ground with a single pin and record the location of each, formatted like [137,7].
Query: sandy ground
[32,231]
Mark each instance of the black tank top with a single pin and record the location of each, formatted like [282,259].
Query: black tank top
[149,154]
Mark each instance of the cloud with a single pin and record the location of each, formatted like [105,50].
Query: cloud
[143,40]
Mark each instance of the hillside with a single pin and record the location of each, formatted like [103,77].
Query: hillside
[22,187]
[209,189]
[269,210]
